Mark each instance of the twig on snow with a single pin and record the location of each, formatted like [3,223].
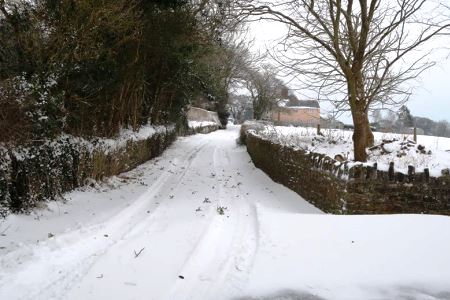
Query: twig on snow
[4,231]
[136,254]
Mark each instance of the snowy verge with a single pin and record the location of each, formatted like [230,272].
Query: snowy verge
[351,257]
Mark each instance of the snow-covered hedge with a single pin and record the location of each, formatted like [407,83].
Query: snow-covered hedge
[44,171]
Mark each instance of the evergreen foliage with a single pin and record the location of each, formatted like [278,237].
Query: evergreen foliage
[405,117]
[91,67]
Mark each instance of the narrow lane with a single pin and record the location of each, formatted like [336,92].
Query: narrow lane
[192,234]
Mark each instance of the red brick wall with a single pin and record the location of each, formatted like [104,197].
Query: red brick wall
[306,116]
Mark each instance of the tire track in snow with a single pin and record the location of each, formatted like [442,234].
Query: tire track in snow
[68,257]
[130,277]
[248,244]
[215,253]
[223,258]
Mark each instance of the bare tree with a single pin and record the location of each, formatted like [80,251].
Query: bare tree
[229,55]
[359,54]
[214,16]
[443,128]
[264,88]
[238,105]
[232,63]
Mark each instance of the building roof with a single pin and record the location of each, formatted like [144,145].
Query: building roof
[293,102]
[308,103]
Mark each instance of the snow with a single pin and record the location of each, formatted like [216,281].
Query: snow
[127,135]
[156,233]
[198,124]
[336,142]
[105,145]
[284,102]
[351,257]
[303,107]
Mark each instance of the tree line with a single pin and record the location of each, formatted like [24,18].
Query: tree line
[91,67]
[403,121]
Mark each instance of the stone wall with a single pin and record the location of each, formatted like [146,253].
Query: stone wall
[202,129]
[210,118]
[44,172]
[341,188]
[199,114]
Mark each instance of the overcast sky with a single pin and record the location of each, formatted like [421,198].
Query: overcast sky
[431,96]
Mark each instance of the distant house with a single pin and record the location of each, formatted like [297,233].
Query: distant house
[289,110]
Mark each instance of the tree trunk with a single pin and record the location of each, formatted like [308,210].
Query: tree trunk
[362,134]
[369,135]
[359,135]
[257,111]
[360,121]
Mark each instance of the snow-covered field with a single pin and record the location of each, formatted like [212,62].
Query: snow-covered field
[334,142]
[201,222]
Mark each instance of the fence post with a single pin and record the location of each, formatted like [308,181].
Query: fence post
[415,134]
[411,173]
[391,172]
[318,129]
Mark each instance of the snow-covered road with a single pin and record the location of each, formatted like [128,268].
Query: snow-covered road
[201,222]
[176,219]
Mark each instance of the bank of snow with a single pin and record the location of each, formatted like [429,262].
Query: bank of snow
[351,257]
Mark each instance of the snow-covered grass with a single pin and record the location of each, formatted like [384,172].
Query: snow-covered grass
[339,142]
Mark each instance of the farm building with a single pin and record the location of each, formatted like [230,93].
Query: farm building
[289,110]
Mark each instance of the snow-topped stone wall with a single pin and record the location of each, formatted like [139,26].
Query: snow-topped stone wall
[202,121]
[345,188]
[41,172]
[202,115]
